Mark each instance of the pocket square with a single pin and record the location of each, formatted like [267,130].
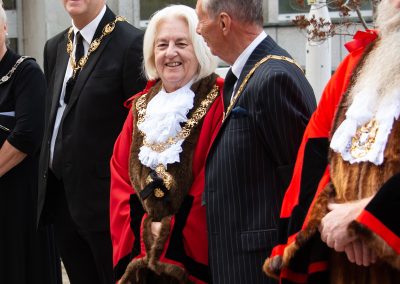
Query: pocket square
[239,112]
[8,113]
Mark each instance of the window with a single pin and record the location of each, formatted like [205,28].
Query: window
[148,7]
[9,4]
[289,9]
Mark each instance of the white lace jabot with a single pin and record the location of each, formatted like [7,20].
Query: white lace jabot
[367,106]
[164,114]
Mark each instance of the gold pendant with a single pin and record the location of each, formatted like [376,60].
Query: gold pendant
[159,193]
[165,176]
[364,139]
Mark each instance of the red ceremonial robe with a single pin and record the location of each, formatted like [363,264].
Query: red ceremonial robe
[127,213]
[311,175]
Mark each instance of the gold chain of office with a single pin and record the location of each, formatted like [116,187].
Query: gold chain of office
[9,74]
[108,29]
[197,115]
[248,76]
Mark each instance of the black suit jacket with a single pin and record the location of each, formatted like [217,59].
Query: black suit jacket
[93,118]
[250,164]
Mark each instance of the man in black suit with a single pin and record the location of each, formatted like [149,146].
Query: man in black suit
[268,102]
[84,116]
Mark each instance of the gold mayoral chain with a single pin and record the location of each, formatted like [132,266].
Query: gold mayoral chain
[9,74]
[248,76]
[364,139]
[108,29]
[195,118]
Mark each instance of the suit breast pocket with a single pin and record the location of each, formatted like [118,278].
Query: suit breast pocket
[239,119]
[238,123]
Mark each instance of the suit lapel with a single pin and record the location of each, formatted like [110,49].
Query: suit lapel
[262,50]
[92,60]
[61,66]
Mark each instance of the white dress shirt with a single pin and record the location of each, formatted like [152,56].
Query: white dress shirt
[237,67]
[87,36]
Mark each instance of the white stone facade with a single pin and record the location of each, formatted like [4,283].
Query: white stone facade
[38,20]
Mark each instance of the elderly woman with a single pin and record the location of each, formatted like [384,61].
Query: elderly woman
[22,90]
[158,221]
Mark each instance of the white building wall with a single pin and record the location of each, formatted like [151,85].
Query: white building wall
[43,19]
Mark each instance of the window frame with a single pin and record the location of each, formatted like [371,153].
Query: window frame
[288,17]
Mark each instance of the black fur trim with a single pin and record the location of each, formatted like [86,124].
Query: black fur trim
[137,213]
[119,269]
[314,165]
[387,197]
[176,250]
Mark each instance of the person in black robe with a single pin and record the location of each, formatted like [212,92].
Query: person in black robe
[26,255]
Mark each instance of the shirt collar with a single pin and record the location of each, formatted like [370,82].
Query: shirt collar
[88,31]
[237,67]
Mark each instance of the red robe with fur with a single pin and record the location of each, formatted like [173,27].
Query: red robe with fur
[294,260]
[127,214]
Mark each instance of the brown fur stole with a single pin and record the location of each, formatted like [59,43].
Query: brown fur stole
[161,209]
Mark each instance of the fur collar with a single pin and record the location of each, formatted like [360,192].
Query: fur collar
[155,207]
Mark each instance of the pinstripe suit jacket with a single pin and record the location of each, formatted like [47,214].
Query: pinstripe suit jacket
[250,164]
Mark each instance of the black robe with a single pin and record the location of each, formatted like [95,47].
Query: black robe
[26,255]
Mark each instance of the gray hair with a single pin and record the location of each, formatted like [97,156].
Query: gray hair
[207,62]
[3,17]
[248,11]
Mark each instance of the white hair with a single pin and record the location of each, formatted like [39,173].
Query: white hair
[207,62]
[388,18]
[3,17]
[247,11]
[381,69]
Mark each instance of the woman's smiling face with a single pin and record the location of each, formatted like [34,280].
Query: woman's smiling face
[174,56]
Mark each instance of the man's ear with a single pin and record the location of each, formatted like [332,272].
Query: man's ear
[225,23]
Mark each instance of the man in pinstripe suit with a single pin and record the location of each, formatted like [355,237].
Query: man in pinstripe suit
[268,102]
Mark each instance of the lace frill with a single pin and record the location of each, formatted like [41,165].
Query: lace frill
[367,106]
[164,115]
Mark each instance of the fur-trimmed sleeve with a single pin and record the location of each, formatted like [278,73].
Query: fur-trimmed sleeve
[378,223]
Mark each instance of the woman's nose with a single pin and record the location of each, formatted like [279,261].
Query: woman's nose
[171,50]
